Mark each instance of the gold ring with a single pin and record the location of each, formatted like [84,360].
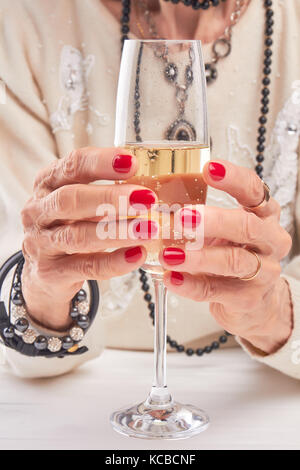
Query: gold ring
[257,270]
[264,202]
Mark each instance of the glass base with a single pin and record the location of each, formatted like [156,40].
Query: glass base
[174,421]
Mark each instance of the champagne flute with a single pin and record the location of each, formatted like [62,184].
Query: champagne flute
[162,119]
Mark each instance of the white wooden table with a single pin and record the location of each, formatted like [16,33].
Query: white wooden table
[250,406]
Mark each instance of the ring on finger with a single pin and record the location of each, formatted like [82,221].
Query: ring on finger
[264,202]
[253,276]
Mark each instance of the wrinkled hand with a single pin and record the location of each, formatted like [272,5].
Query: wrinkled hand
[258,310]
[61,243]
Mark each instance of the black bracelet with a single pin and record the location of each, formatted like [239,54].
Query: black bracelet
[14,335]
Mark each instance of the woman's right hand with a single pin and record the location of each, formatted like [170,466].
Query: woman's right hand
[61,246]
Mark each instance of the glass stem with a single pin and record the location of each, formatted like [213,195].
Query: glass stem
[159,395]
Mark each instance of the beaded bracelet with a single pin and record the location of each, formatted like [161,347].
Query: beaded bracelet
[17,331]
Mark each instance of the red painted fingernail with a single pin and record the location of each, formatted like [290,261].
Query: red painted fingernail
[190,218]
[173,256]
[122,163]
[133,254]
[142,197]
[216,170]
[146,229]
[176,278]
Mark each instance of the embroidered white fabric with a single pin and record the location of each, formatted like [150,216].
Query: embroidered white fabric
[74,71]
[281,167]
[119,295]
[283,156]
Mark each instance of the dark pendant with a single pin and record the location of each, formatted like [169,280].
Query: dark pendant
[211,73]
[181,130]
[171,72]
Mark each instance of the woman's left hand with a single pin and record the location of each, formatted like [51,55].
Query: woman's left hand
[258,310]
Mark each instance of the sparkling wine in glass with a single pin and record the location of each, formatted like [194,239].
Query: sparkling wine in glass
[162,119]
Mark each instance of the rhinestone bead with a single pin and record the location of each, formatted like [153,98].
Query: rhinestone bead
[17,311]
[29,336]
[77,334]
[54,344]
[83,307]
[171,72]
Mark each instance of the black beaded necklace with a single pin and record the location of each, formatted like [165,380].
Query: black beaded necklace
[261,138]
[196,5]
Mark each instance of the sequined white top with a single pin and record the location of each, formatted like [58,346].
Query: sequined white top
[59,63]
